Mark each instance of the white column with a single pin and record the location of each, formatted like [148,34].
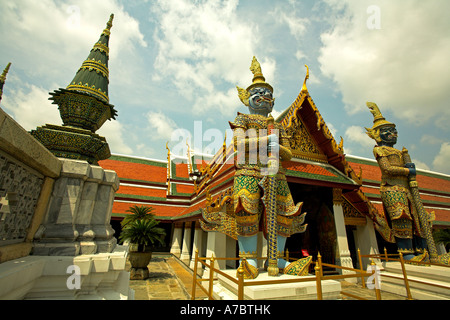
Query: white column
[366,241]
[215,245]
[175,248]
[197,245]
[344,259]
[185,250]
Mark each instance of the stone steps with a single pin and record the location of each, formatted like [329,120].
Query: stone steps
[425,282]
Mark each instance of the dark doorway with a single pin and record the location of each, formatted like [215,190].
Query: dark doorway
[115,224]
[320,235]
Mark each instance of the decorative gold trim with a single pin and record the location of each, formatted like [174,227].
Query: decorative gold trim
[107,31]
[98,66]
[413,184]
[355,221]
[248,255]
[102,47]
[92,90]
[337,196]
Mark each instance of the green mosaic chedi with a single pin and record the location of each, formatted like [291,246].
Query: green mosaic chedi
[84,107]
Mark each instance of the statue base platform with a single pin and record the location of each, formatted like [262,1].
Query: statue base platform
[425,282]
[225,289]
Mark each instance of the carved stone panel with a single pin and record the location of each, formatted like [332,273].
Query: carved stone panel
[19,191]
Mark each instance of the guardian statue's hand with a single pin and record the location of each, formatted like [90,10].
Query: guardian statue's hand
[412,168]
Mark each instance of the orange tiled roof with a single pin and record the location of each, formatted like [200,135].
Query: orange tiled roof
[435,190]
[160,210]
[307,168]
[126,168]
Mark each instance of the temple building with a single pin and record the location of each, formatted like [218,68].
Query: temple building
[340,194]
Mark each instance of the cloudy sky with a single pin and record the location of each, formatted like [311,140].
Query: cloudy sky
[174,66]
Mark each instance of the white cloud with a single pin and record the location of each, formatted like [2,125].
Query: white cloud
[399,66]
[430,140]
[31,107]
[333,131]
[201,45]
[355,136]
[50,40]
[420,165]
[44,31]
[296,25]
[113,131]
[441,162]
[162,126]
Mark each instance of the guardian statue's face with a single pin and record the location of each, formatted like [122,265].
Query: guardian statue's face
[388,135]
[261,101]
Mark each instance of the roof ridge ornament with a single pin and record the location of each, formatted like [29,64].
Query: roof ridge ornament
[3,78]
[109,24]
[304,88]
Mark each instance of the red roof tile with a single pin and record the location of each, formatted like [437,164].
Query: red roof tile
[136,171]
[307,168]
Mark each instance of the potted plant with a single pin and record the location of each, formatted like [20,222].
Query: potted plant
[137,213]
[142,234]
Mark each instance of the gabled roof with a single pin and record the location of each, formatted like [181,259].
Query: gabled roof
[311,139]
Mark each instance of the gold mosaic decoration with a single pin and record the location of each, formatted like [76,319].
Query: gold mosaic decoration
[301,142]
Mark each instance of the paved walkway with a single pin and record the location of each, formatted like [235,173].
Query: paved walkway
[169,279]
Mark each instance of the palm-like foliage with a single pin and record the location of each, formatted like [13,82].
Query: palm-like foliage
[143,233]
[442,236]
[138,213]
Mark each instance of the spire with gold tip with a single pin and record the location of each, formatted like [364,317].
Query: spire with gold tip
[93,76]
[3,79]
[91,80]
[84,107]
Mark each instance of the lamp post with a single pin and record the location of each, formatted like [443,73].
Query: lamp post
[195,176]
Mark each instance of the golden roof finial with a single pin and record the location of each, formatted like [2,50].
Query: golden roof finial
[3,79]
[107,30]
[109,23]
[304,89]
[5,72]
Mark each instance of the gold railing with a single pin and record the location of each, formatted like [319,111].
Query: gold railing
[241,283]
[399,258]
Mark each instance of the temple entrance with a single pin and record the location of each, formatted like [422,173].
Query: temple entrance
[320,235]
